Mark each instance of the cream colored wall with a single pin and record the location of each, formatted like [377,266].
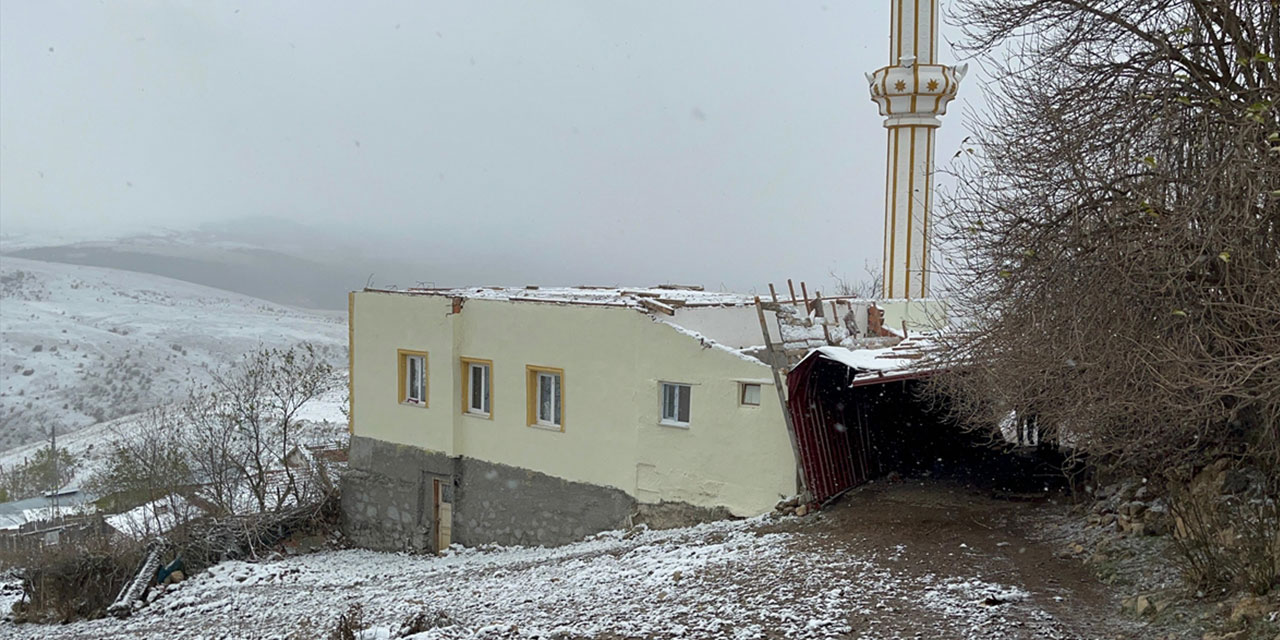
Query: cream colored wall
[613,361]
[730,455]
[383,323]
[598,360]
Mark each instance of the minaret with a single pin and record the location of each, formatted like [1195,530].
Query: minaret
[912,92]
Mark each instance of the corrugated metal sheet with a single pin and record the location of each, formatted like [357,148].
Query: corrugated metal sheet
[828,402]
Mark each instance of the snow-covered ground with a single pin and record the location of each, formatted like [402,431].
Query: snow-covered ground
[84,345]
[743,579]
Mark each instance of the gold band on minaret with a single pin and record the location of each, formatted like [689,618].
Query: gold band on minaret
[911,92]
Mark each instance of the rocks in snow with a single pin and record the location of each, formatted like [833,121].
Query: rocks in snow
[1145,605]
[792,507]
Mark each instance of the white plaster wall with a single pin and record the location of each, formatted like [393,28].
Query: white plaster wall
[930,314]
[613,361]
[914,30]
[736,327]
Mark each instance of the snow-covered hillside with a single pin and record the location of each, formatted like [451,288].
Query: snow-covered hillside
[322,421]
[84,345]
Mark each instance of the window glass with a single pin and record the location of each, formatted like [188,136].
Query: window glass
[415,387]
[751,394]
[668,401]
[675,403]
[549,398]
[480,388]
[557,394]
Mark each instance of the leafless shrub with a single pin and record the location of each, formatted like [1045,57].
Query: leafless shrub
[868,286]
[1115,232]
[349,624]
[224,476]
[149,465]
[1227,528]
[62,583]
[423,621]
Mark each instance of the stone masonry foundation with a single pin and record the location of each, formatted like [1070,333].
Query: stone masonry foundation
[388,502]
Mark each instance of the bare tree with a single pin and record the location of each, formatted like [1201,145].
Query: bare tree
[212,450]
[867,286]
[229,444]
[1116,230]
[150,466]
[256,405]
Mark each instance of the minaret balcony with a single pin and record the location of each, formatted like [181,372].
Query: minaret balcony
[912,94]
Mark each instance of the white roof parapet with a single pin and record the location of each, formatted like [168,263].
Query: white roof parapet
[665,295]
[720,320]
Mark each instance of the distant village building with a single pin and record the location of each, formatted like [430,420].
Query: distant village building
[538,416]
[67,515]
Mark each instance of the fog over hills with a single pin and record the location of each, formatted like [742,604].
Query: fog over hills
[310,266]
[278,261]
[80,345]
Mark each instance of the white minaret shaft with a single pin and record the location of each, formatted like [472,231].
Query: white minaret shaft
[915,32]
[912,92]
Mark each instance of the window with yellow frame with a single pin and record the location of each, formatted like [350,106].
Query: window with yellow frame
[413,385]
[477,387]
[545,397]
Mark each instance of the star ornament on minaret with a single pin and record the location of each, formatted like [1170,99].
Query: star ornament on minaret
[933,86]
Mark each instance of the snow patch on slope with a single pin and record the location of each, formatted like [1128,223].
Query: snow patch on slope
[82,345]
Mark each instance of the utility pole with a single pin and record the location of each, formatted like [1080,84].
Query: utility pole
[53,452]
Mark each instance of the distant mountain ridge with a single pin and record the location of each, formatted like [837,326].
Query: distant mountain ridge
[250,270]
[288,262]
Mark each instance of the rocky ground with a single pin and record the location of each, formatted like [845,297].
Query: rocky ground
[1124,534]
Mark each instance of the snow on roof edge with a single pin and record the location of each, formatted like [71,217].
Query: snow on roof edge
[675,297]
[906,357]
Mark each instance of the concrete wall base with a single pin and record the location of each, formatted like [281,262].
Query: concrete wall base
[388,501]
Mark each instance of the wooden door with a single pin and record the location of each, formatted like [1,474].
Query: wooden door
[443,512]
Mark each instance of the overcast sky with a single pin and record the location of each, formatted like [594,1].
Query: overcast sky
[726,143]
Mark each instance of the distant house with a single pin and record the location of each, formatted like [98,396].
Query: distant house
[538,416]
[54,518]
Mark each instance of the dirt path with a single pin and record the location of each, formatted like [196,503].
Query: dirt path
[937,532]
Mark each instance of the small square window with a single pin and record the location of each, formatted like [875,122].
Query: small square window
[413,377]
[675,404]
[750,395]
